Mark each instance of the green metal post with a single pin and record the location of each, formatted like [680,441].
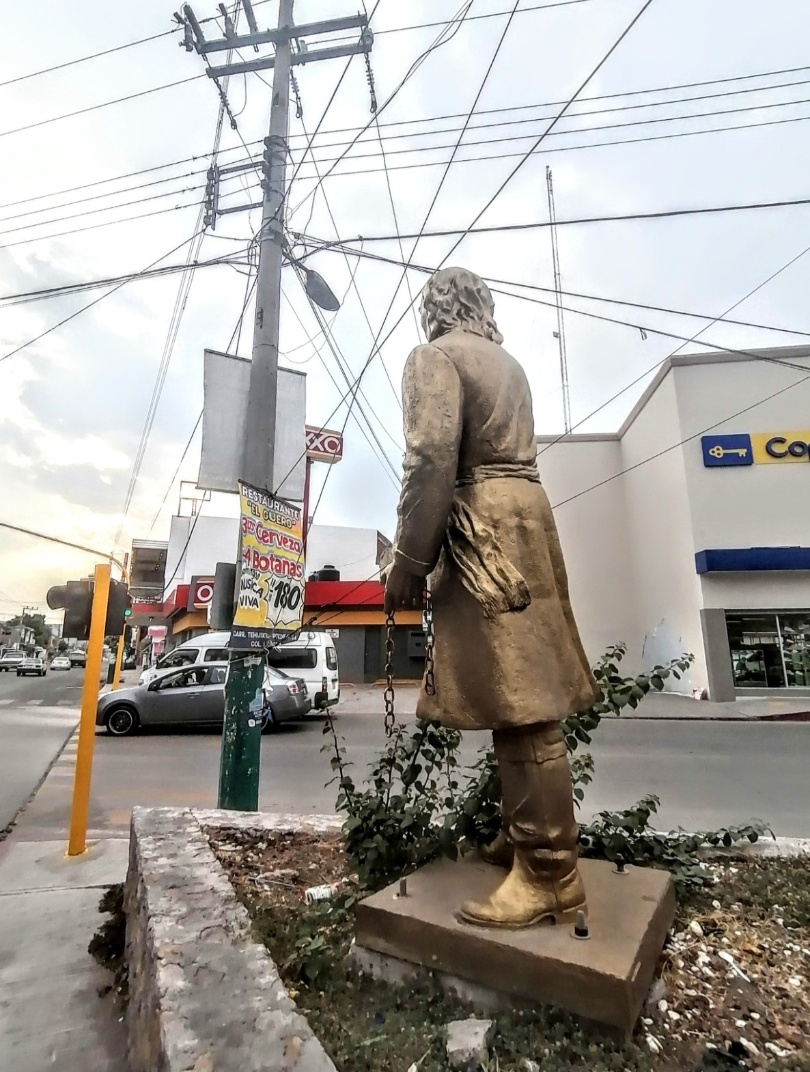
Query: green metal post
[241,736]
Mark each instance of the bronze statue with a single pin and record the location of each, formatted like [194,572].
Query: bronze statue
[474,518]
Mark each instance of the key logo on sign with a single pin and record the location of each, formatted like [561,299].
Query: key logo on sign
[727,450]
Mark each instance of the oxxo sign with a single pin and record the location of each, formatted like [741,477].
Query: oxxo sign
[200,593]
[758,448]
[324,445]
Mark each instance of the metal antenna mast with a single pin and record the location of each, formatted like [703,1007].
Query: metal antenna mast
[559,334]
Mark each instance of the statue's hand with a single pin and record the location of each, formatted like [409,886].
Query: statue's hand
[403,590]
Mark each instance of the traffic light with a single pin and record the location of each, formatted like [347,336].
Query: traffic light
[76,597]
[119,609]
[222,607]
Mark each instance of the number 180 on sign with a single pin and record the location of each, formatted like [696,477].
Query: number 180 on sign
[270,597]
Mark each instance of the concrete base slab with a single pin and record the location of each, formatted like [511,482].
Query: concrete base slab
[603,979]
[45,865]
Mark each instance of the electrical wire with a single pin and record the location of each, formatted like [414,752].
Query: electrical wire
[446,35]
[445,173]
[26,297]
[569,148]
[543,224]
[500,189]
[84,59]
[95,301]
[410,122]
[643,105]
[682,442]
[493,282]
[237,330]
[97,226]
[105,556]
[96,107]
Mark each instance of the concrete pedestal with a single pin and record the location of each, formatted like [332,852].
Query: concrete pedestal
[603,978]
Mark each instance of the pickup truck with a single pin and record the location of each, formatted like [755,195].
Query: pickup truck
[77,658]
[32,664]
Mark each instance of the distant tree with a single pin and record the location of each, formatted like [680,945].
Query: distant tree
[62,646]
[36,622]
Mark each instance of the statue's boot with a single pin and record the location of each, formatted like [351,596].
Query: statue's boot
[501,851]
[544,881]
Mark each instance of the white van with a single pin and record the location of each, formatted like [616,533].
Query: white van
[208,648]
[311,656]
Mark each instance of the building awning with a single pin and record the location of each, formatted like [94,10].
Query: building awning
[752,559]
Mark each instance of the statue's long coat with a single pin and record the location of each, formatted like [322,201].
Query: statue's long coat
[467,405]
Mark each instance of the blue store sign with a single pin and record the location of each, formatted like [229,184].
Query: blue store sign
[727,450]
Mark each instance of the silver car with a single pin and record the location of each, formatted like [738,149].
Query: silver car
[195,696]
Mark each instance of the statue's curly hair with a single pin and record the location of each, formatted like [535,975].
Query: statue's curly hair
[457,298]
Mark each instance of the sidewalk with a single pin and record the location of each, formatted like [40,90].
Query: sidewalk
[51,1014]
[368,699]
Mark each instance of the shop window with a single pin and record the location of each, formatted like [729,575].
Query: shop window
[770,651]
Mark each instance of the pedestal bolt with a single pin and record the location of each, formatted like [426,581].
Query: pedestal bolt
[581,926]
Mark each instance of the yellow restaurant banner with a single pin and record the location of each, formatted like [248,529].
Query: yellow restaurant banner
[270,598]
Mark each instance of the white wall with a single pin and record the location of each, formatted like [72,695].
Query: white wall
[353,551]
[745,506]
[214,539]
[666,586]
[593,533]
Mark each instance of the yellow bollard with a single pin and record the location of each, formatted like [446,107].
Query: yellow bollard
[77,843]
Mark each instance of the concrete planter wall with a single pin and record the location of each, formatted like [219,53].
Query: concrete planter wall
[204,996]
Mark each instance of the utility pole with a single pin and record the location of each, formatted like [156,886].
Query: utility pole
[241,738]
[560,332]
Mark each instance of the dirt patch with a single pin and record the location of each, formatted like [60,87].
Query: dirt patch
[733,992]
[107,945]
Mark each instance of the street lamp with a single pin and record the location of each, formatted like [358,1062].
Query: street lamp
[319,290]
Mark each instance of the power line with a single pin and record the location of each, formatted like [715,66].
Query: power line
[503,185]
[95,301]
[494,283]
[445,173]
[84,59]
[64,543]
[237,329]
[432,119]
[565,148]
[645,105]
[565,133]
[621,218]
[682,442]
[96,226]
[26,297]
[685,342]
[441,39]
[96,107]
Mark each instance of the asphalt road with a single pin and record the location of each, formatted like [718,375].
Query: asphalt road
[707,774]
[36,716]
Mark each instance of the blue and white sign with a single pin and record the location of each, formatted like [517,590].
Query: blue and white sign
[727,450]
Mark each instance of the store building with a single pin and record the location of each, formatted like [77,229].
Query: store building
[350,608]
[688,530]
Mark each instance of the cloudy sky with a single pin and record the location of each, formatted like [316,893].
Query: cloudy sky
[73,405]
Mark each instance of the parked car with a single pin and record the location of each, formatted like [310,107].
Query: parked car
[32,664]
[60,662]
[311,655]
[196,695]
[77,657]
[11,659]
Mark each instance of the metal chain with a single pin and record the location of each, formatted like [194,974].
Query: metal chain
[430,682]
[390,717]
